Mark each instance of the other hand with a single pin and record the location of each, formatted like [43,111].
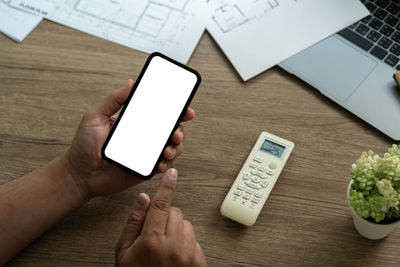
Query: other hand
[156,233]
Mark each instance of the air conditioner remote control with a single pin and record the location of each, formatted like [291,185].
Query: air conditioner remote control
[256,179]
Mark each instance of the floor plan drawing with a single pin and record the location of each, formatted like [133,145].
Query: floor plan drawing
[172,27]
[254,34]
[148,17]
[230,15]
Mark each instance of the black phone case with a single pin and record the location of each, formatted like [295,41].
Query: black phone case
[127,103]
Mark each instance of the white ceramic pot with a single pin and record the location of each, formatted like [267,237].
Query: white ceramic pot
[368,229]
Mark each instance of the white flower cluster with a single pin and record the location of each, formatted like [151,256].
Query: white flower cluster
[375,192]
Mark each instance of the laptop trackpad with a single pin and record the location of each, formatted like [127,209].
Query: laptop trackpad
[332,66]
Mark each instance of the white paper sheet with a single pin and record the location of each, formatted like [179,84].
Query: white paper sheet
[258,34]
[15,23]
[172,27]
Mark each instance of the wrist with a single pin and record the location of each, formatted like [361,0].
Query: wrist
[77,185]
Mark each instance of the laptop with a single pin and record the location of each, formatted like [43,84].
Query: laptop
[355,67]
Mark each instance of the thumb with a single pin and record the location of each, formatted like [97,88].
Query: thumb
[109,105]
[135,222]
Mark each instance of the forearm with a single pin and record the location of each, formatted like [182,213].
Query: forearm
[32,204]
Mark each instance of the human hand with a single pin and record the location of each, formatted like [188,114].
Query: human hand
[92,174]
[396,77]
[156,233]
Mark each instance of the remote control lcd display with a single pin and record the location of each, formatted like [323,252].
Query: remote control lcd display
[273,148]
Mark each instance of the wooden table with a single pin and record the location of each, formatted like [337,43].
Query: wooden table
[50,80]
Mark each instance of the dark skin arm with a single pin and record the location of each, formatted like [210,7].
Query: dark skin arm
[30,205]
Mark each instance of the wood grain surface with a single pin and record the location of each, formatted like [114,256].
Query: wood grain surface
[50,80]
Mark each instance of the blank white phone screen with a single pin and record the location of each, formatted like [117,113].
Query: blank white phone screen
[150,117]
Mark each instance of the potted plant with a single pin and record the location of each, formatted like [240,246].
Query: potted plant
[374,193]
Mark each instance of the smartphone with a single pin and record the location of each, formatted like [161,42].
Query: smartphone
[155,106]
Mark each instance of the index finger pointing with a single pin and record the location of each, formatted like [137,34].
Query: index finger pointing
[157,216]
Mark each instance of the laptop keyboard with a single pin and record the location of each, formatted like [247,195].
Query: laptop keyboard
[379,33]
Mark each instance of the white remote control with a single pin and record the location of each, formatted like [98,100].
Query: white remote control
[256,179]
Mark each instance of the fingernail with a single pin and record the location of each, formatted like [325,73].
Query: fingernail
[172,174]
[140,201]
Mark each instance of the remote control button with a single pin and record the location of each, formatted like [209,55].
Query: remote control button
[249,191]
[270,172]
[258,194]
[240,187]
[255,186]
[255,179]
[260,174]
[246,176]
[237,192]
[258,159]
[246,196]
[253,165]
[272,165]
[261,169]
[255,200]
[264,183]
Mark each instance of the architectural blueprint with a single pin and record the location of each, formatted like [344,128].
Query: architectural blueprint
[258,34]
[254,34]
[172,27]
[15,23]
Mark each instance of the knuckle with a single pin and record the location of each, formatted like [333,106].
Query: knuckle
[168,185]
[150,245]
[134,219]
[187,259]
[176,213]
[161,204]
[181,258]
[176,210]
[93,117]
